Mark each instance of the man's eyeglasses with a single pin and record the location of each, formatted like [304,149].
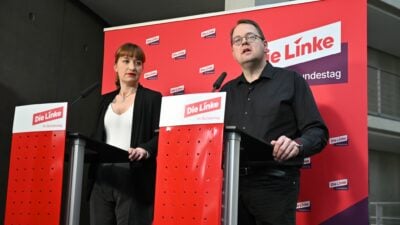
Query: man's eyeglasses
[250,38]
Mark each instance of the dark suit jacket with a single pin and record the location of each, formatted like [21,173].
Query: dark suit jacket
[145,123]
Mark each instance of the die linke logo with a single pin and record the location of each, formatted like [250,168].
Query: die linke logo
[48,115]
[210,33]
[342,184]
[307,163]
[342,140]
[303,206]
[151,75]
[153,40]
[202,107]
[177,90]
[306,46]
[179,54]
[207,69]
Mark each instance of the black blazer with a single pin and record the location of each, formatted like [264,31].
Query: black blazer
[145,123]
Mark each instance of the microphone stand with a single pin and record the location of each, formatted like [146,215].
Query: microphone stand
[86,92]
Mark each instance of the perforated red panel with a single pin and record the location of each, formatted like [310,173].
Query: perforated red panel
[189,175]
[35,178]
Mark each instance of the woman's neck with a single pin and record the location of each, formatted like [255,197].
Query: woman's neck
[128,90]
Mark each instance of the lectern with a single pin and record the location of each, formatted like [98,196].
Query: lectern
[36,164]
[198,161]
[36,171]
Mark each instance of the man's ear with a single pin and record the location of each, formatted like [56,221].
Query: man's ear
[266,50]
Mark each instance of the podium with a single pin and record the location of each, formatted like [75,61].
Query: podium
[36,171]
[36,164]
[189,170]
[198,161]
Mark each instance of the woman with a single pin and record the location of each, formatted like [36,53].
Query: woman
[123,193]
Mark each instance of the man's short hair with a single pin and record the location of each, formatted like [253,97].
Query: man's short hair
[251,22]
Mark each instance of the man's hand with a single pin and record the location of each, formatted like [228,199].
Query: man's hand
[136,154]
[284,148]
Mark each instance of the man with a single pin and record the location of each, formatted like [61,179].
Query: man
[275,105]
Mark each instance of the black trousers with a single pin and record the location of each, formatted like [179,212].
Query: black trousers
[267,198]
[113,202]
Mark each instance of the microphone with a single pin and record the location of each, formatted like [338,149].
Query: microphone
[86,92]
[218,82]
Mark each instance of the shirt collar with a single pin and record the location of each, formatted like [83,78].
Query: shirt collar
[267,72]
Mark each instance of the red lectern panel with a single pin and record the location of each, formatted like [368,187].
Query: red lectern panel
[35,178]
[189,175]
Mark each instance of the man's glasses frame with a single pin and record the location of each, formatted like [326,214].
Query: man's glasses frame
[249,38]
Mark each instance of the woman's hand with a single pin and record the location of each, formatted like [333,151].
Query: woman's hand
[136,154]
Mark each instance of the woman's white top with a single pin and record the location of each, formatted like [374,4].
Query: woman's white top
[118,127]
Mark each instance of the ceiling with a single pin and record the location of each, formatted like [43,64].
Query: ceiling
[124,12]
